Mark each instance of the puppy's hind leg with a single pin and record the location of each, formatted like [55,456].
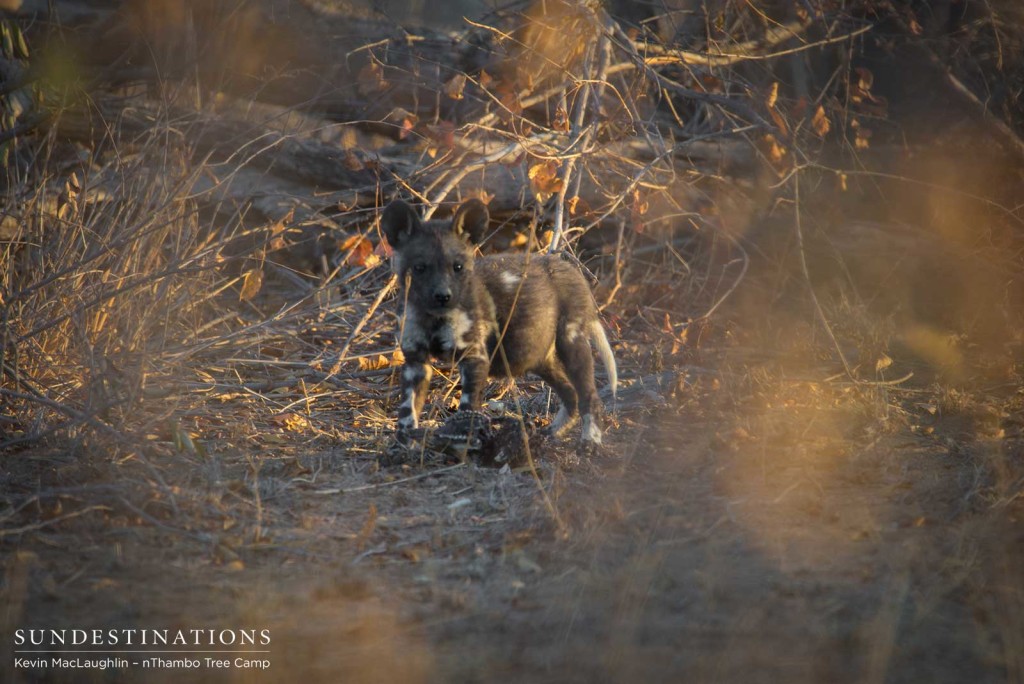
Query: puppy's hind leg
[567,416]
[573,349]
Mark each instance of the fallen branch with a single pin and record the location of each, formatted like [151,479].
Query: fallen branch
[227,141]
[52,521]
[751,50]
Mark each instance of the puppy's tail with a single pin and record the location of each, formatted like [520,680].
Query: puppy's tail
[604,350]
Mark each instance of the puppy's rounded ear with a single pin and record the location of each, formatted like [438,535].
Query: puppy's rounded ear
[470,220]
[399,222]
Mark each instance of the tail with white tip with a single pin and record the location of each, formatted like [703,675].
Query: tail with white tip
[604,350]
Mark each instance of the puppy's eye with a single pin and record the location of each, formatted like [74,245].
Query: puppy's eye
[419,268]
[457,267]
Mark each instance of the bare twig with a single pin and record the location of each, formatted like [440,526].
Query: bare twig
[381,296]
[802,252]
[391,483]
[10,531]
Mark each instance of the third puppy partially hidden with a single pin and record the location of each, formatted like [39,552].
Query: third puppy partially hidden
[499,316]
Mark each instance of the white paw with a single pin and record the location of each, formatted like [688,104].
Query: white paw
[591,430]
[562,422]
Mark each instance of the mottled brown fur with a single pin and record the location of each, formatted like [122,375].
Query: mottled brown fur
[498,316]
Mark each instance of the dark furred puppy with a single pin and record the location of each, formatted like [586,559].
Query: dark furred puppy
[502,316]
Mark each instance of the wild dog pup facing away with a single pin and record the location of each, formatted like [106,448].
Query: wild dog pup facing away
[500,316]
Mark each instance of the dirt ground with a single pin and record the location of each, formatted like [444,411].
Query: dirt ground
[754,516]
[804,542]
[681,564]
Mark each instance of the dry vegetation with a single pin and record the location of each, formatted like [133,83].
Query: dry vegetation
[803,220]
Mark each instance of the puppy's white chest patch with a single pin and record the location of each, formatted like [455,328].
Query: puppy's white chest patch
[454,334]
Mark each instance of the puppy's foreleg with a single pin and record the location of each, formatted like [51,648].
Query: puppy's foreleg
[473,373]
[416,375]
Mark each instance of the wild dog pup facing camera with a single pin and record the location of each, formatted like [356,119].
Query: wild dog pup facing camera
[499,316]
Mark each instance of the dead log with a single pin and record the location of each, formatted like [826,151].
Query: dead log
[216,140]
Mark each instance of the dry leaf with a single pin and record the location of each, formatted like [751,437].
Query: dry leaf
[545,238]
[862,138]
[780,122]
[277,243]
[442,137]
[277,239]
[485,79]
[376,362]
[711,84]
[560,122]
[865,79]
[408,123]
[371,79]
[637,208]
[776,152]
[481,195]
[860,90]
[411,554]
[518,240]
[359,251]
[291,421]
[66,206]
[773,96]
[545,180]
[527,78]
[578,206]
[455,85]
[352,162]
[683,337]
[251,284]
[821,123]
[510,106]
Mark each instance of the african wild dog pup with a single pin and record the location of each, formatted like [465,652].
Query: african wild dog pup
[502,316]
